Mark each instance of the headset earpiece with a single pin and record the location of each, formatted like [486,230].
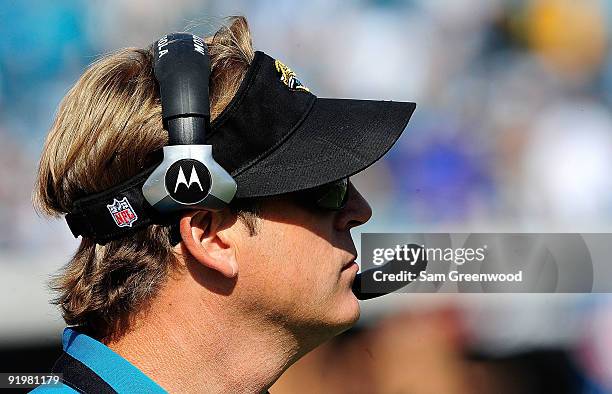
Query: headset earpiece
[188,177]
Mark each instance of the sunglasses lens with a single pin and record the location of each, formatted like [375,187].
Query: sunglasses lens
[332,195]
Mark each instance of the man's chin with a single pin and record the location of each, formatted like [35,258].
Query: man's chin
[349,313]
[335,321]
[356,312]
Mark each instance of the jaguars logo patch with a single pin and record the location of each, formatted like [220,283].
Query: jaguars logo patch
[288,77]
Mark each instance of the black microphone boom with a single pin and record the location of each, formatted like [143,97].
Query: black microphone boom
[366,287]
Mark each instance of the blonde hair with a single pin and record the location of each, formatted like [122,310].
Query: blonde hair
[107,129]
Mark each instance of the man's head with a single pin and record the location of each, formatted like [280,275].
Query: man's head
[274,255]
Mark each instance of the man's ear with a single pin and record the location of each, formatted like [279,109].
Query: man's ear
[200,235]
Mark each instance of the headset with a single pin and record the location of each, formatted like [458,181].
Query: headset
[188,176]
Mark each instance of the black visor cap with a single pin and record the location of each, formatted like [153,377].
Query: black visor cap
[275,139]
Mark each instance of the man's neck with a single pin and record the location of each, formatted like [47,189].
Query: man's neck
[201,349]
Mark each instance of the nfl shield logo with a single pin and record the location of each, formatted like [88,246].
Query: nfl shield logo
[122,212]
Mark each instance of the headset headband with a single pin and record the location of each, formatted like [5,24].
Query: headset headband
[182,69]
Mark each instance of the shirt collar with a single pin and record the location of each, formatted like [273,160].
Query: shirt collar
[119,373]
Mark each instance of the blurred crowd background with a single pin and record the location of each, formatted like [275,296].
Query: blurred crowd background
[512,133]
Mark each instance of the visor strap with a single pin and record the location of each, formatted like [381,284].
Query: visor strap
[114,212]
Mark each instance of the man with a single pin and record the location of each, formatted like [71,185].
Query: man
[210,301]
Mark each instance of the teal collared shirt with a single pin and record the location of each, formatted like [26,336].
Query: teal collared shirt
[119,373]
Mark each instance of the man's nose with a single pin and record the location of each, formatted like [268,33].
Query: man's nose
[356,212]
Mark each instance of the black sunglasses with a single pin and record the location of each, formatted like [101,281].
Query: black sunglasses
[330,196]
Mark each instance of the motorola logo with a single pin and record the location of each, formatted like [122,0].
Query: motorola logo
[188,181]
[193,178]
